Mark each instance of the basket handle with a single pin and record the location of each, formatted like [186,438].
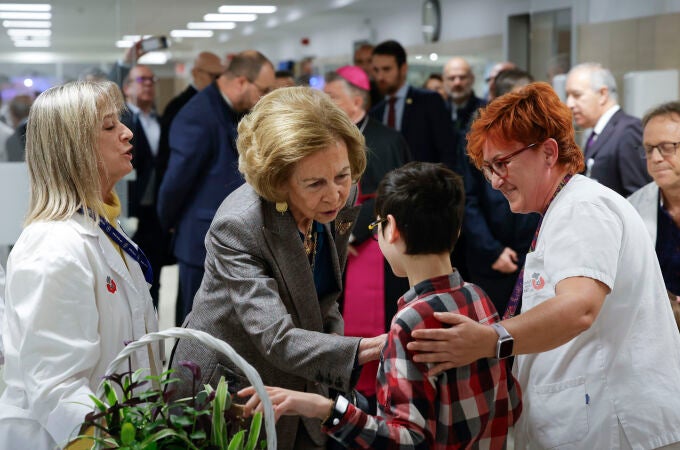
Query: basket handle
[217,345]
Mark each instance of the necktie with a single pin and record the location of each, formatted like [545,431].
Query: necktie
[391,113]
[591,139]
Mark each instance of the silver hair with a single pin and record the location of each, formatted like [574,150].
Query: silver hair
[599,77]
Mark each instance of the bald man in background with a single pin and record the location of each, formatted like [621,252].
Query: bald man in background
[207,67]
[462,101]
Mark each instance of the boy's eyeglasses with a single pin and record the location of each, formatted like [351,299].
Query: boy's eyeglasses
[373,227]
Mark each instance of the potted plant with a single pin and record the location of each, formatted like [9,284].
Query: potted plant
[135,412]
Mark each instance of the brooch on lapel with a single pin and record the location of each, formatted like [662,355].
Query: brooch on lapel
[409,101]
[110,285]
[343,226]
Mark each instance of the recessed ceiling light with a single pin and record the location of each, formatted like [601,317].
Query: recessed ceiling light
[191,33]
[230,17]
[23,32]
[35,7]
[211,25]
[255,9]
[26,24]
[26,15]
[124,44]
[32,43]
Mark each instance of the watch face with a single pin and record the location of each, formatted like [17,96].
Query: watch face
[505,348]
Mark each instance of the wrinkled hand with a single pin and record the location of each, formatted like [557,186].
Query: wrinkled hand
[506,262]
[370,348]
[287,403]
[464,342]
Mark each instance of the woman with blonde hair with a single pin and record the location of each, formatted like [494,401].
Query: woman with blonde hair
[77,287]
[276,250]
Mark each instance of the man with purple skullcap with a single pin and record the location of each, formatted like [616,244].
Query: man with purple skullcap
[368,276]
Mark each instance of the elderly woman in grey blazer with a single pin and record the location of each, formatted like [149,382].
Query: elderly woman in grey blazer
[276,250]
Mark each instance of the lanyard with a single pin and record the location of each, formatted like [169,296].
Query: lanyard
[516,297]
[135,252]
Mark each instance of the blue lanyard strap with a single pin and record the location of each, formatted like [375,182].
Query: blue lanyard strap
[128,247]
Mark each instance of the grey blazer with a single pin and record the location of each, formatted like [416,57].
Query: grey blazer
[258,295]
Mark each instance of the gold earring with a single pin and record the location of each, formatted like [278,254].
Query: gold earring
[281,207]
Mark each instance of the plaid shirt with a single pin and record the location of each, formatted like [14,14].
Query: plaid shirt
[467,407]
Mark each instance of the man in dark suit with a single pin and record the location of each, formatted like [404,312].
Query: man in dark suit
[463,103]
[203,165]
[612,152]
[141,118]
[419,115]
[207,68]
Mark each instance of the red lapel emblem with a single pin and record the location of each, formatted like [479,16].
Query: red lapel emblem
[110,285]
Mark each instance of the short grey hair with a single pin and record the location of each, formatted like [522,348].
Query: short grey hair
[599,77]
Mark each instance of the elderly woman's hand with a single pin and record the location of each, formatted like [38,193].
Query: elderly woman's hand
[370,348]
[464,342]
[287,403]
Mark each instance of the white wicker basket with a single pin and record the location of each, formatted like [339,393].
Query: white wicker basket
[215,344]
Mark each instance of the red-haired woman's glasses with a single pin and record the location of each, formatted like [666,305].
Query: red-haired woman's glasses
[499,166]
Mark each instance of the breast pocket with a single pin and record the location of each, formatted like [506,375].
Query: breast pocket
[559,412]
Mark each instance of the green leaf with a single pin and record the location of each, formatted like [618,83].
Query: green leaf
[127,433]
[168,433]
[237,441]
[254,433]
[219,426]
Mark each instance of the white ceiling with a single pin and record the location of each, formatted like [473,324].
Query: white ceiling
[86,30]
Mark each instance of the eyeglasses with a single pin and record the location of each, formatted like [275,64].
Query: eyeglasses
[666,149]
[141,80]
[499,166]
[373,227]
[263,91]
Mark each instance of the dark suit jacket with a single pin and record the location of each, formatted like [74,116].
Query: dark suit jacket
[202,171]
[465,115]
[171,109]
[147,167]
[258,295]
[426,126]
[618,163]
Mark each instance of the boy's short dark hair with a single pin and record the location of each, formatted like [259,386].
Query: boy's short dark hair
[427,202]
[391,48]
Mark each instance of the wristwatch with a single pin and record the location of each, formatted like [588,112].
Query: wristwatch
[337,412]
[505,341]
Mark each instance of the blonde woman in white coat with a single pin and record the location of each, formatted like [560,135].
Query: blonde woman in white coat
[74,296]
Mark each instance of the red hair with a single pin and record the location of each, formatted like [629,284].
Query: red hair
[532,114]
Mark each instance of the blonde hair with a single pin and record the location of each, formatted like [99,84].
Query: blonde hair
[284,127]
[62,150]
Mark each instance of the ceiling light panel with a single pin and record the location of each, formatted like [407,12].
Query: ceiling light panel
[191,33]
[34,7]
[26,23]
[24,32]
[32,43]
[240,9]
[25,15]
[211,25]
[230,17]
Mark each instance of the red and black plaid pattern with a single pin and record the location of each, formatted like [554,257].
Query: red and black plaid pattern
[467,407]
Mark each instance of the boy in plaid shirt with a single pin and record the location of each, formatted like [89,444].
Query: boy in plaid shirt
[419,209]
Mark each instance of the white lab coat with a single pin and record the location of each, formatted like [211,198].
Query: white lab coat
[619,377]
[71,304]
